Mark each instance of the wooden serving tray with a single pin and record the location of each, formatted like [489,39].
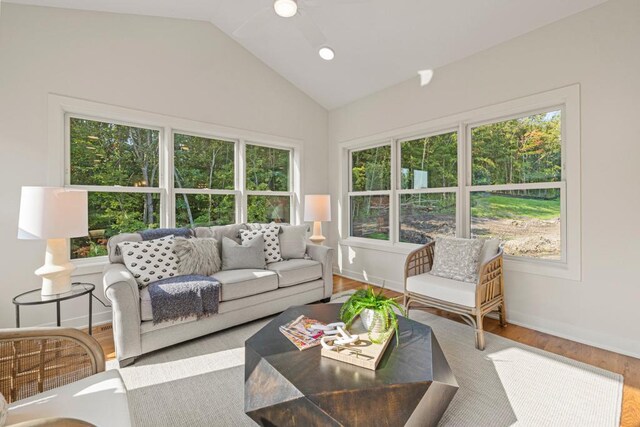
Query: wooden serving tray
[363,352]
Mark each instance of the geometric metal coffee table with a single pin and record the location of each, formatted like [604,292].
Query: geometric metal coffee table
[413,384]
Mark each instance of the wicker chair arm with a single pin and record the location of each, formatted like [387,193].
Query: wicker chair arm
[419,261]
[490,280]
[33,360]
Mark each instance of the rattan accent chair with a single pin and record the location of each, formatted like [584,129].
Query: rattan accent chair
[34,360]
[489,291]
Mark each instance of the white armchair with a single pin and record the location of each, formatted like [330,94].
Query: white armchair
[472,301]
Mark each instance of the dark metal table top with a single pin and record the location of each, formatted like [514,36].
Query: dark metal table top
[284,386]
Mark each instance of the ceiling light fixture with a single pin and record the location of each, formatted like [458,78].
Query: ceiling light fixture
[285,8]
[425,77]
[326,53]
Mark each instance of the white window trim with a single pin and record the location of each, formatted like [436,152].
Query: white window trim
[61,107]
[566,98]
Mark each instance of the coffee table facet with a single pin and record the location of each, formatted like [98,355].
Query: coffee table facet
[413,384]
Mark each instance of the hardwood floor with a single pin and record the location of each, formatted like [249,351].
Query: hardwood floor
[627,366]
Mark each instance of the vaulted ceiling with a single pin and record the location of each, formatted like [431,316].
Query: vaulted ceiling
[378,43]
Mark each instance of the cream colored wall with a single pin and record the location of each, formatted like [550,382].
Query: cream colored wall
[599,49]
[180,68]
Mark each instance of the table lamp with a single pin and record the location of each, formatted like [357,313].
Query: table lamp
[54,214]
[317,208]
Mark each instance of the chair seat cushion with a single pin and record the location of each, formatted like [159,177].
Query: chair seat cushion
[454,291]
[296,271]
[245,282]
[100,399]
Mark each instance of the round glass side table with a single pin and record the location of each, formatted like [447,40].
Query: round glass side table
[34,297]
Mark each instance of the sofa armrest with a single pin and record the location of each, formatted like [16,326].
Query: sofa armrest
[122,290]
[324,255]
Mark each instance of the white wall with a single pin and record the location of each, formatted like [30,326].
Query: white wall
[599,49]
[180,68]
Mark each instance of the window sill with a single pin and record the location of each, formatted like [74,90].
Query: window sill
[511,264]
[85,267]
[379,245]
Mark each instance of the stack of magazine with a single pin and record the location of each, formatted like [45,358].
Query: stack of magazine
[301,333]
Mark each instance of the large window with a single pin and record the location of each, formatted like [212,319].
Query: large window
[133,186]
[428,187]
[506,181]
[119,166]
[203,180]
[268,183]
[370,192]
[516,173]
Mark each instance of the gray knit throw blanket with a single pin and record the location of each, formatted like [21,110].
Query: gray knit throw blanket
[179,297]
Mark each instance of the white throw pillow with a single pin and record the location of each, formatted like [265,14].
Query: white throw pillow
[457,259]
[271,241]
[489,250]
[150,260]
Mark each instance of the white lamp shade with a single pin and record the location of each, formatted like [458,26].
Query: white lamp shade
[317,207]
[52,213]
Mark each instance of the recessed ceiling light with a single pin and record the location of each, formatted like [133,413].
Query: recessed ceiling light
[285,8]
[326,53]
[425,77]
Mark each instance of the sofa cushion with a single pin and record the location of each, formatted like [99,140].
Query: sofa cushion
[457,292]
[243,283]
[100,399]
[295,271]
[218,232]
[292,241]
[247,255]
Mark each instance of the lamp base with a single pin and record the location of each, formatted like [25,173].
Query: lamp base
[56,271]
[317,236]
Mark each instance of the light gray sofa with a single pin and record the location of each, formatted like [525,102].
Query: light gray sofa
[246,295]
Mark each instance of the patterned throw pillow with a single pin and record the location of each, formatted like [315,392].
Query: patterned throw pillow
[457,259]
[271,241]
[150,260]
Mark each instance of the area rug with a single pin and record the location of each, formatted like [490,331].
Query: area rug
[200,383]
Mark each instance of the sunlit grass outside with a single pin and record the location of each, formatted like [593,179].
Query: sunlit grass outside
[497,206]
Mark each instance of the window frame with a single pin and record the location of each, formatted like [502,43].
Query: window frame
[246,192]
[566,99]
[62,108]
[388,193]
[436,190]
[207,191]
[560,185]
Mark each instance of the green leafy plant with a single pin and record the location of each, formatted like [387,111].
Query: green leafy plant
[383,312]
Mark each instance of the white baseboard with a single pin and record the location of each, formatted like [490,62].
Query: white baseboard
[371,280]
[561,330]
[573,333]
[82,322]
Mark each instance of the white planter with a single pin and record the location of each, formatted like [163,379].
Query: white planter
[367,317]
